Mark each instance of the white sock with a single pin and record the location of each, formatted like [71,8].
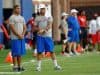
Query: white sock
[15,66]
[39,63]
[35,51]
[55,63]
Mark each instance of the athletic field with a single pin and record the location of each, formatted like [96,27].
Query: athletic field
[85,64]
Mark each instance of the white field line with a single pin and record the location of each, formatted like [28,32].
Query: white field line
[33,61]
[10,73]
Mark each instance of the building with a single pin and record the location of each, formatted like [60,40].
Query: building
[56,7]
[59,6]
[6,7]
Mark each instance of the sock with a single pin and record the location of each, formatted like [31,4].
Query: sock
[35,51]
[39,63]
[55,63]
[15,66]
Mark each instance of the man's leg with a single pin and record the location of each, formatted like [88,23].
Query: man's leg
[98,41]
[75,47]
[14,63]
[63,44]
[14,57]
[19,61]
[53,57]
[63,48]
[40,50]
[85,39]
[70,48]
[49,46]
[14,60]
[39,58]
[99,46]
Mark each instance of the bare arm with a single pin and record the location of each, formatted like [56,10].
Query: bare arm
[24,30]
[49,26]
[13,30]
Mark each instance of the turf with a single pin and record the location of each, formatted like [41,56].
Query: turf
[85,64]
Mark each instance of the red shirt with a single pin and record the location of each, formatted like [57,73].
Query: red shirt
[82,21]
[32,23]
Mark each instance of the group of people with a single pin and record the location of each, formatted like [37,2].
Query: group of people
[77,31]
[42,31]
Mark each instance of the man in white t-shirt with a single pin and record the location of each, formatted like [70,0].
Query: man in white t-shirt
[44,40]
[98,32]
[93,31]
[18,29]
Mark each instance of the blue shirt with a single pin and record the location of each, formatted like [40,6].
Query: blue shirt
[73,23]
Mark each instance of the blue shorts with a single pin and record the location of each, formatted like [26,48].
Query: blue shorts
[74,36]
[44,44]
[18,47]
[1,37]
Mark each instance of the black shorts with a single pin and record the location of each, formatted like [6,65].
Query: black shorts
[83,34]
[34,37]
[63,37]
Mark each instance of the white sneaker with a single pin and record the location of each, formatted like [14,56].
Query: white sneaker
[71,54]
[77,53]
[38,69]
[66,54]
[58,68]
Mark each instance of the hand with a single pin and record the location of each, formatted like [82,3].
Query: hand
[21,36]
[42,31]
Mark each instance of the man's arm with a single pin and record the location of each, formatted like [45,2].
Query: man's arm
[35,27]
[15,32]
[24,30]
[49,26]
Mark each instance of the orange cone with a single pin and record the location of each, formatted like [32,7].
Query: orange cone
[79,49]
[48,54]
[1,46]
[8,58]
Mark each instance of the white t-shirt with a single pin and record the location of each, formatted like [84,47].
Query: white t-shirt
[18,22]
[43,22]
[92,27]
[64,26]
[98,23]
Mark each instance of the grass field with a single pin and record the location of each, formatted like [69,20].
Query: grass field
[85,64]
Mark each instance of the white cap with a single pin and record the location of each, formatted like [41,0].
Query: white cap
[42,6]
[74,11]
[64,14]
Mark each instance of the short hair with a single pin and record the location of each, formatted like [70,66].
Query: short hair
[15,6]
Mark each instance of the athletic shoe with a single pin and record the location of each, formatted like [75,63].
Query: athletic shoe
[76,53]
[15,69]
[57,68]
[67,54]
[20,69]
[38,69]
[71,54]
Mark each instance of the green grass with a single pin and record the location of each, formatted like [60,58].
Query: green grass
[86,64]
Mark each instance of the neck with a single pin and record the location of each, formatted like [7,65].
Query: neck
[42,14]
[16,14]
